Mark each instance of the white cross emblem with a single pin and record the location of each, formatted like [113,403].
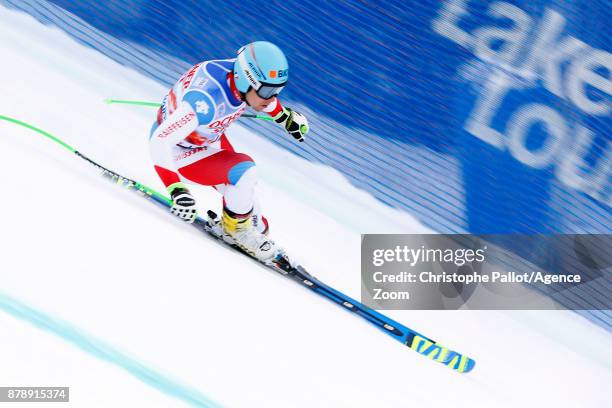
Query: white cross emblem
[202,107]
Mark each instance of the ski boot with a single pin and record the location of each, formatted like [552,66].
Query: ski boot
[240,229]
[260,223]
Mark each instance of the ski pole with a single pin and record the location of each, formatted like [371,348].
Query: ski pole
[155,105]
[143,190]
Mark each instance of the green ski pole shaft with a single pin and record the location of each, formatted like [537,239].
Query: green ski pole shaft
[156,105]
[141,189]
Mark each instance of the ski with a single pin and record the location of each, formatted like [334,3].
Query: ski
[398,331]
[281,264]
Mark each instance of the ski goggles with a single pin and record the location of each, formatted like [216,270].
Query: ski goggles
[267,91]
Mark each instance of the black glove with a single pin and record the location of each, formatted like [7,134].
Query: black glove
[294,122]
[183,204]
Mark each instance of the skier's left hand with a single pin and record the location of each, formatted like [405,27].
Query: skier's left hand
[294,122]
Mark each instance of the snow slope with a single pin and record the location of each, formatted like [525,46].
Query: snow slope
[179,319]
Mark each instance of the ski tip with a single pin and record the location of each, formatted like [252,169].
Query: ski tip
[109,101]
[441,354]
[460,363]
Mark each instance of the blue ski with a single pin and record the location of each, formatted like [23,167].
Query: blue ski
[398,331]
[411,338]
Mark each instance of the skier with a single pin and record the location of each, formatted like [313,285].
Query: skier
[189,145]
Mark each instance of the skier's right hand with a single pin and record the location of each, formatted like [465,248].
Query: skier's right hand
[183,203]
